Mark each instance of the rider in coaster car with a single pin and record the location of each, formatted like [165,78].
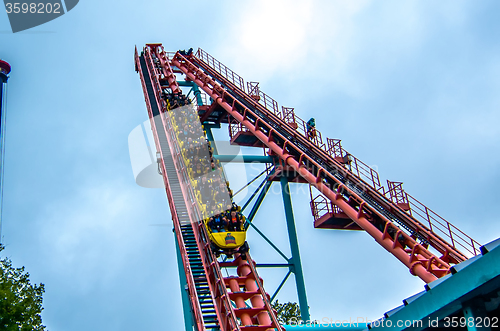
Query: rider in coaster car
[234,218]
[216,223]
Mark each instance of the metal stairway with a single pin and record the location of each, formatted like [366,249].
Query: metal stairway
[200,279]
[194,258]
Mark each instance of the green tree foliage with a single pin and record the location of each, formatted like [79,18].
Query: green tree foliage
[287,312]
[20,301]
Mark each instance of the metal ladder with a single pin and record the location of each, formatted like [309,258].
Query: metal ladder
[195,263]
[202,289]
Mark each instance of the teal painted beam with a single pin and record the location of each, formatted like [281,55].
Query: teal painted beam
[294,247]
[475,311]
[270,242]
[197,94]
[250,182]
[186,84]
[479,277]
[258,202]
[261,195]
[189,93]
[244,158]
[273,265]
[194,89]
[281,285]
[211,125]
[186,306]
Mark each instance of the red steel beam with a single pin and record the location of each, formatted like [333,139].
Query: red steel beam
[450,252]
[185,262]
[166,70]
[455,255]
[419,260]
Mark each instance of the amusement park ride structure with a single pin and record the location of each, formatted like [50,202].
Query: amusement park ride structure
[351,197]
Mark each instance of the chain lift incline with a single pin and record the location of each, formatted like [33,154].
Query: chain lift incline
[350,191]
[216,302]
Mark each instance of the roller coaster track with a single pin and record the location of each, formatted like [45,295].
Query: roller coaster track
[427,254]
[231,303]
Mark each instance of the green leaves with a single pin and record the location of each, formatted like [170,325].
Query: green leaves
[20,301]
[287,312]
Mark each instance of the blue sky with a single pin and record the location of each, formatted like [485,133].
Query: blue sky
[411,88]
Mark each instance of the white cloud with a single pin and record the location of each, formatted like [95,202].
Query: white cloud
[342,43]
[270,36]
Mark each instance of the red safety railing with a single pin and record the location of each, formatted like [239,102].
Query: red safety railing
[355,165]
[320,206]
[221,68]
[396,194]
[170,55]
[437,224]
[264,99]
[421,261]
[287,114]
[204,99]
[334,148]
[236,127]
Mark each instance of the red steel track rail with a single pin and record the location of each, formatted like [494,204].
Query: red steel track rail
[173,211]
[225,292]
[393,228]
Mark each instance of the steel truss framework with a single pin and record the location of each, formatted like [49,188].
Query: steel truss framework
[350,191]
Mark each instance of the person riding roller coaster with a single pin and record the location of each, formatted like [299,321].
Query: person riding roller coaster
[227,233]
[234,221]
[216,223]
[175,100]
[188,53]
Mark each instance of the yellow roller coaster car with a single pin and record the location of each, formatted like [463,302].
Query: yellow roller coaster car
[226,239]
